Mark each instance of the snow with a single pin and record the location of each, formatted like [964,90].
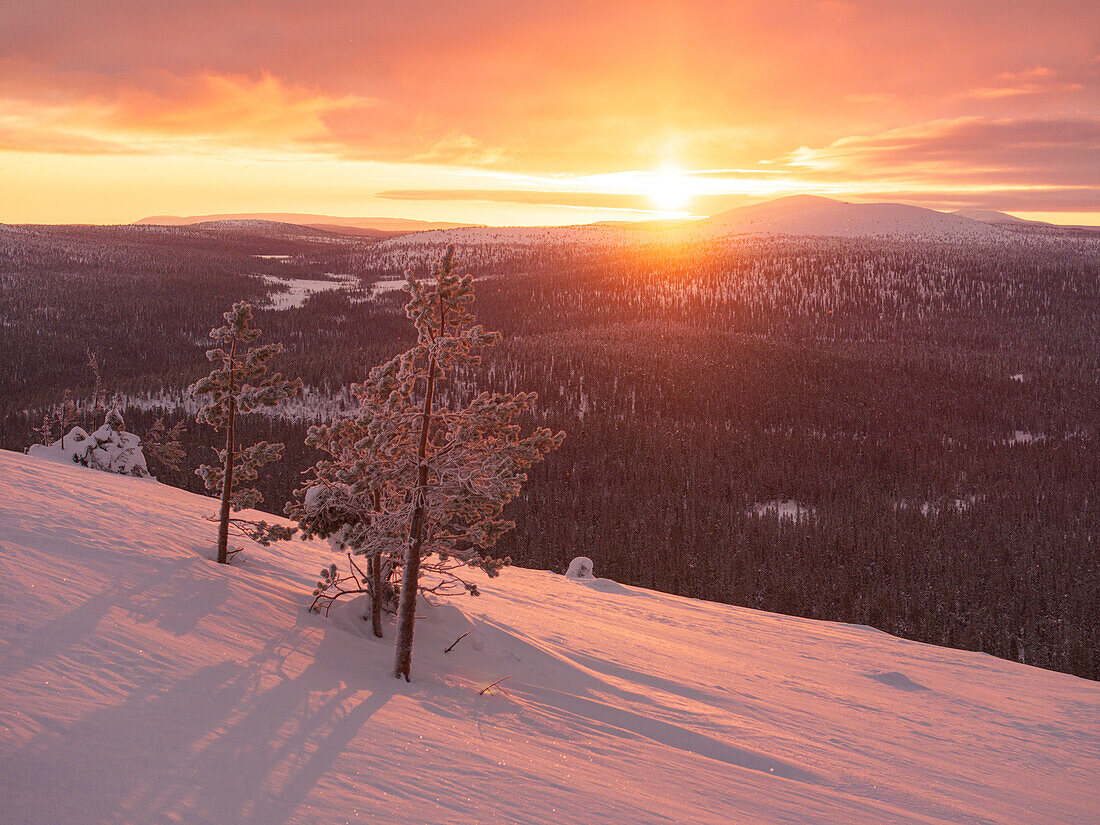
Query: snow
[107,449]
[389,285]
[1024,437]
[817,216]
[789,510]
[512,236]
[932,508]
[311,405]
[297,290]
[142,683]
[580,568]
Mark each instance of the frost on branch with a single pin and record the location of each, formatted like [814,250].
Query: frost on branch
[163,444]
[240,383]
[414,488]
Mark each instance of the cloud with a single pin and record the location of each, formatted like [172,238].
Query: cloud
[1038,80]
[1066,199]
[569,87]
[1042,153]
[592,200]
[998,94]
[165,112]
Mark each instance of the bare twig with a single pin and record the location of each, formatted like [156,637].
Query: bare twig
[362,576]
[456,641]
[495,685]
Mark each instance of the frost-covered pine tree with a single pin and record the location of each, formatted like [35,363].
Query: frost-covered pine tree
[422,488]
[340,502]
[239,384]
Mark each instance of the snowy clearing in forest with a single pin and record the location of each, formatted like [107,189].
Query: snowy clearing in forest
[789,510]
[142,683]
[930,508]
[391,285]
[1024,437]
[297,290]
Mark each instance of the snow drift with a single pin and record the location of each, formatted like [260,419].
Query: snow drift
[110,449]
[142,683]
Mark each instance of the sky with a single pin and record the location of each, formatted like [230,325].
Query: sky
[529,112]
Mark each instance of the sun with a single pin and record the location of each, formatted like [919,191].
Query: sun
[670,190]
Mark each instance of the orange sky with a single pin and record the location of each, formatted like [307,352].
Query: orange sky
[535,112]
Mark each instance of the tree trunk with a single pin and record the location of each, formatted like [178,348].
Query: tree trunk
[410,578]
[227,487]
[375,571]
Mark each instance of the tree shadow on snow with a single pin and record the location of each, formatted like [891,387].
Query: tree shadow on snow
[232,742]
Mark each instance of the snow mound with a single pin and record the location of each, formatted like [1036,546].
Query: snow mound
[580,568]
[142,683]
[110,449]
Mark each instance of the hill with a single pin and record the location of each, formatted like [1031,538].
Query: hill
[995,217]
[797,215]
[145,684]
[816,216]
[371,227]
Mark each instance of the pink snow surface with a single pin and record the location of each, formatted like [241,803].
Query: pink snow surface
[142,683]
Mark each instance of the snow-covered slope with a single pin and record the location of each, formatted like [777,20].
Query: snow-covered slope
[812,215]
[995,217]
[141,683]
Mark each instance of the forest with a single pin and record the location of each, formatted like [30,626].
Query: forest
[896,433]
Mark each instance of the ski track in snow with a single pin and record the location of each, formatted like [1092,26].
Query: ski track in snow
[142,683]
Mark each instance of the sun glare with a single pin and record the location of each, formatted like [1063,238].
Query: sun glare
[670,190]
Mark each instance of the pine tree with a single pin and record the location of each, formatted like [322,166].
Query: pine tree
[164,445]
[418,489]
[240,384]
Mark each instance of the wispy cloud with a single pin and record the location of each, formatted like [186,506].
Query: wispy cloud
[1050,152]
[167,112]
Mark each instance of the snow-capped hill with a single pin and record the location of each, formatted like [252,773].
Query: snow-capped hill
[995,217]
[142,683]
[331,222]
[798,215]
[810,215]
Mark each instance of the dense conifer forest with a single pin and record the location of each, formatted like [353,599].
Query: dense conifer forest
[902,434]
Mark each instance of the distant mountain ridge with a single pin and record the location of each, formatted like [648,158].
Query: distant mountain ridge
[795,215]
[370,227]
[812,215]
[993,216]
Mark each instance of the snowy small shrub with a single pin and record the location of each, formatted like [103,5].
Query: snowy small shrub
[110,448]
[580,568]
